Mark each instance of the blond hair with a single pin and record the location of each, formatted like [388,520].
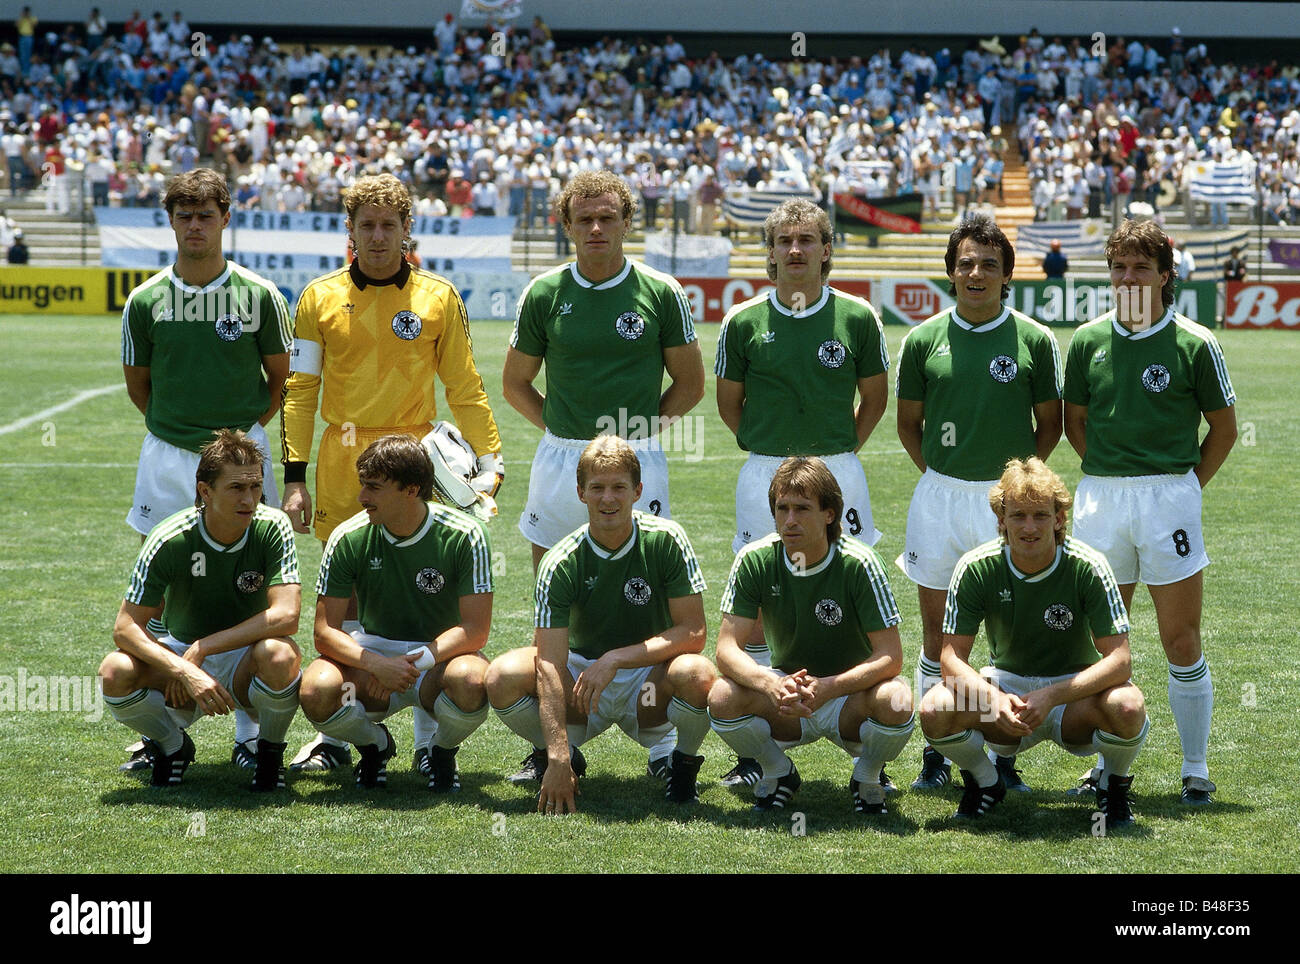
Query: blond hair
[1029,481]
[382,190]
[608,453]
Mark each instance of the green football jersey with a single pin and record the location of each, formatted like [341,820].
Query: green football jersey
[1145,392]
[408,589]
[979,386]
[203,348]
[611,599]
[1042,624]
[816,618]
[603,344]
[800,370]
[209,586]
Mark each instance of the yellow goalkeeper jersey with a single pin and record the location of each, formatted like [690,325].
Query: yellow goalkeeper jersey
[375,348]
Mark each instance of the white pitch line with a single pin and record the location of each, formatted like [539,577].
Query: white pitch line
[76,399]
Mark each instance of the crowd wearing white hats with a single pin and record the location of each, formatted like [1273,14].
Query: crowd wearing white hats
[477,122]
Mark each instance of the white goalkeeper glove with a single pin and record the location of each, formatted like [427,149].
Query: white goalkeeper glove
[491,473]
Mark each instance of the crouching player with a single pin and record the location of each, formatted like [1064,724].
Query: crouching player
[831,624]
[227,570]
[619,629]
[422,574]
[1058,639]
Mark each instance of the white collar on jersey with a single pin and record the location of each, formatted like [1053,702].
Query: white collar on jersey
[802,571]
[1036,577]
[600,286]
[216,282]
[212,541]
[618,553]
[1165,319]
[810,310]
[415,536]
[982,327]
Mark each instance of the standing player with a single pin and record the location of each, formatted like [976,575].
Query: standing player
[1058,644]
[789,364]
[373,335]
[205,345]
[1137,381]
[228,572]
[421,573]
[607,328]
[977,385]
[620,626]
[831,624]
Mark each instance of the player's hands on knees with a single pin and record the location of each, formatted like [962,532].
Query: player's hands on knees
[297,506]
[396,674]
[591,683]
[559,790]
[194,685]
[1009,708]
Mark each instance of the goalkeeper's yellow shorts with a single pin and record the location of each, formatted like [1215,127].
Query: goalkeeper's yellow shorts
[337,486]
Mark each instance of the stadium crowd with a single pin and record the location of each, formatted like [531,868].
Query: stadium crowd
[481,123]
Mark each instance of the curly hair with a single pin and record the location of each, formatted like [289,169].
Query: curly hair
[382,190]
[589,184]
[797,212]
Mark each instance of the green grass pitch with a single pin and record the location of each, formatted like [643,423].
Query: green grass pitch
[65,553]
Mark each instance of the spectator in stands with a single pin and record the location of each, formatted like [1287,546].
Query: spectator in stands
[18,250]
[1234,269]
[1055,263]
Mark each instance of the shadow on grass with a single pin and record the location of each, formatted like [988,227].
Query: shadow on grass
[223,787]
[821,806]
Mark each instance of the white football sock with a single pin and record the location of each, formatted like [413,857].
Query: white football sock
[751,736]
[145,711]
[880,744]
[351,725]
[1120,752]
[246,728]
[966,749]
[275,708]
[692,723]
[523,717]
[1191,698]
[454,724]
[426,727]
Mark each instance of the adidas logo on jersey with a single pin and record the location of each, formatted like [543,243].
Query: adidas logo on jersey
[566,308]
[768,337]
[591,582]
[376,563]
[1004,595]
